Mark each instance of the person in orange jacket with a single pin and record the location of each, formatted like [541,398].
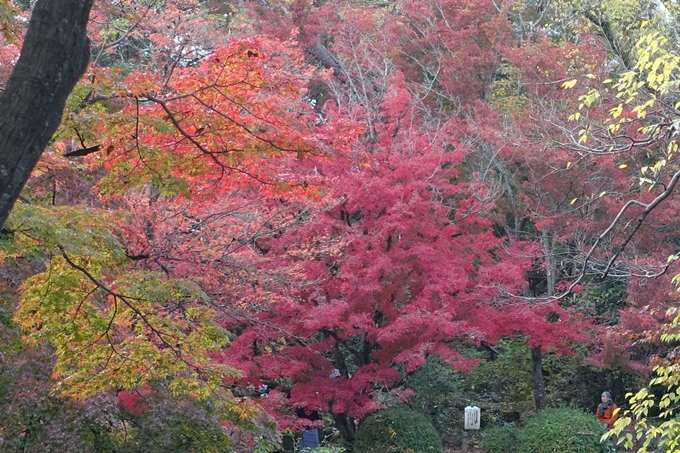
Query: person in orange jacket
[605,411]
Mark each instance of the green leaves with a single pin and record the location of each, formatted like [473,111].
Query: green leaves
[81,231]
[566,430]
[112,325]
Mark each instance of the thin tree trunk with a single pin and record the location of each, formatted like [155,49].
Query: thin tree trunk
[537,377]
[54,56]
[548,243]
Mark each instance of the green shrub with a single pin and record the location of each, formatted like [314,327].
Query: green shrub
[397,430]
[563,430]
[501,439]
[439,397]
[503,386]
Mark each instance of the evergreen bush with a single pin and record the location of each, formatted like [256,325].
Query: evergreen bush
[397,430]
[501,439]
[439,397]
[562,430]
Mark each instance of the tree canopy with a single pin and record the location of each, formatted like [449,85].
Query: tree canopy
[240,214]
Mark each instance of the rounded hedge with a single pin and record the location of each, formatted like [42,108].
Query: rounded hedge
[501,439]
[397,430]
[563,430]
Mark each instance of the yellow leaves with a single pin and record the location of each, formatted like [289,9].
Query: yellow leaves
[676,279]
[569,84]
[654,169]
[655,67]
[641,109]
[644,181]
[647,46]
[583,136]
[588,197]
[615,112]
[622,166]
[589,99]
[130,341]
[626,80]
[111,326]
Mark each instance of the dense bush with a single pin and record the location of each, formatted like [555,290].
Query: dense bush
[503,385]
[563,430]
[397,430]
[501,439]
[439,397]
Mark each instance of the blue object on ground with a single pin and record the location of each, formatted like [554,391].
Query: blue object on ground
[310,439]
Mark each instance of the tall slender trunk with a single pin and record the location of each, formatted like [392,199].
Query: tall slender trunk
[548,243]
[537,377]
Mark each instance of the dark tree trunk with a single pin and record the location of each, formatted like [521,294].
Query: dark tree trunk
[326,58]
[537,376]
[611,39]
[54,56]
[346,426]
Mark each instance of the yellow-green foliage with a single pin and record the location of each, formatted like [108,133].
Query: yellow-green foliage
[506,90]
[7,22]
[663,430]
[111,325]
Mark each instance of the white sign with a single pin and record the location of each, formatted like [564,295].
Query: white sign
[472,417]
